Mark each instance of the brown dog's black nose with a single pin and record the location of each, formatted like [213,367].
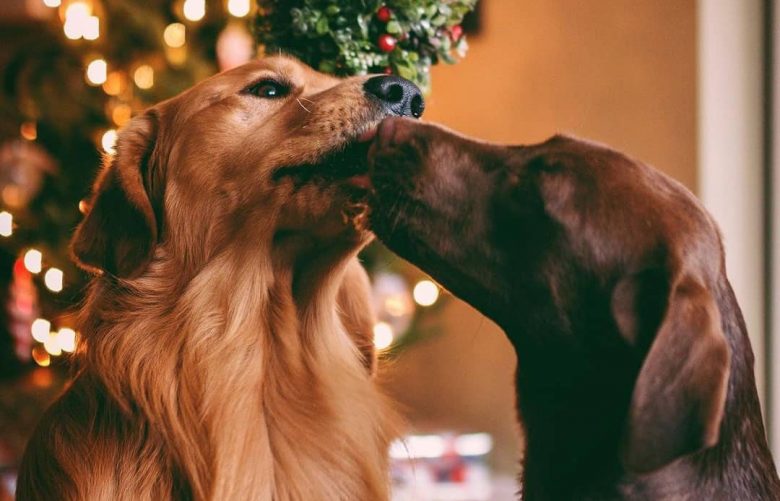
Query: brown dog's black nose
[398,95]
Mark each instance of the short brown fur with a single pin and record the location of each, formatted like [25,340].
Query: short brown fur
[635,372]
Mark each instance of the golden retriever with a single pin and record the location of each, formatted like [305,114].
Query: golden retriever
[227,332]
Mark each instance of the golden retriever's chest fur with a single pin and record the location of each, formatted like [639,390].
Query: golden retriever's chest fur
[261,399]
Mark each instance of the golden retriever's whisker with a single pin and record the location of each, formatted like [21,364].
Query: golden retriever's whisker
[302,106]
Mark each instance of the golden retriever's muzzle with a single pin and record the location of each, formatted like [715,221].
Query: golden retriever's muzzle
[392,96]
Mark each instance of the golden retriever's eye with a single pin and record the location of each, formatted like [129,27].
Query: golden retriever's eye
[269,89]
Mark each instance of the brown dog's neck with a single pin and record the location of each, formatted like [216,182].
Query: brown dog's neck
[244,383]
[573,412]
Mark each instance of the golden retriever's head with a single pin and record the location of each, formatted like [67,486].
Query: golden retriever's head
[268,154]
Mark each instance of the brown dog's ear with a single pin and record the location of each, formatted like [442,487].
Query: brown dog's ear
[678,400]
[118,234]
[357,313]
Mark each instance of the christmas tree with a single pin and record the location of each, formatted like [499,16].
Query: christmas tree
[94,64]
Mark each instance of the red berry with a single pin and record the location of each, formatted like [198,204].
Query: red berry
[387,42]
[388,70]
[384,13]
[456,32]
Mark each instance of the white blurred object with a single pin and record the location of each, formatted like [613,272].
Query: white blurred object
[234,46]
[446,467]
[393,302]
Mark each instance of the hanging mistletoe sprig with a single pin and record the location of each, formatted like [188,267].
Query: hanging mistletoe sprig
[356,37]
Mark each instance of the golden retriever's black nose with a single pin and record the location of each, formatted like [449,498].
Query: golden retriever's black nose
[398,95]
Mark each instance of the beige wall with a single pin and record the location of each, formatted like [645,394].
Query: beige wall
[618,71]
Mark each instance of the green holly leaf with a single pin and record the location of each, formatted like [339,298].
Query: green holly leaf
[322,26]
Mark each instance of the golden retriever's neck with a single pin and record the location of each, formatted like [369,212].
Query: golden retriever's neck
[256,397]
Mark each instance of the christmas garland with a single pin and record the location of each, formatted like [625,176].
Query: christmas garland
[402,37]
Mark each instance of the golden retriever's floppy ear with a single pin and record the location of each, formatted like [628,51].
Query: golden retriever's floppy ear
[357,313]
[118,234]
[679,397]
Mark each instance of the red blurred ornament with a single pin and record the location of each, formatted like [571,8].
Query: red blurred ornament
[387,42]
[456,32]
[384,13]
[388,70]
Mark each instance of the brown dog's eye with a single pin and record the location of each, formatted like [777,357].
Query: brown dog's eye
[269,89]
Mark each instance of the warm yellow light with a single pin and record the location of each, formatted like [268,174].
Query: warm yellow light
[97,71]
[41,357]
[67,339]
[52,3]
[78,10]
[53,279]
[40,329]
[108,141]
[397,305]
[77,20]
[91,29]
[121,114]
[52,345]
[32,260]
[175,35]
[383,335]
[115,83]
[72,30]
[29,131]
[194,10]
[6,224]
[238,8]
[176,56]
[425,293]
[83,206]
[144,74]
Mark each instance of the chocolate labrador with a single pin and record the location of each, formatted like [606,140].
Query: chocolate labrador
[635,372]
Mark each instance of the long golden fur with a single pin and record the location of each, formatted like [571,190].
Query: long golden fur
[227,333]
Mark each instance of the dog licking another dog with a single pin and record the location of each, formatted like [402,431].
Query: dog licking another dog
[635,373]
[227,332]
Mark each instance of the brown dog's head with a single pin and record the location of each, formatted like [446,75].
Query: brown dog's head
[606,275]
[260,155]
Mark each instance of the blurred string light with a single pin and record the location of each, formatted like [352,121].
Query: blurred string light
[52,345]
[53,279]
[194,10]
[91,29]
[383,335]
[108,141]
[6,224]
[67,339]
[114,84]
[97,71]
[143,76]
[29,131]
[238,8]
[175,35]
[33,260]
[40,356]
[52,3]
[80,23]
[121,114]
[425,293]
[40,329]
